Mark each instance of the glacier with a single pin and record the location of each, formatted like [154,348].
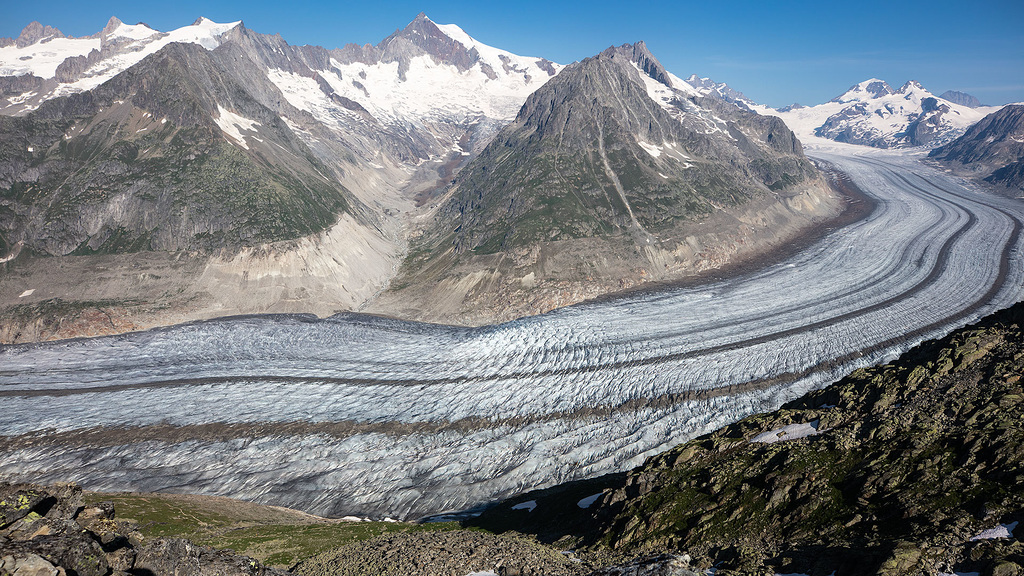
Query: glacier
[370,416]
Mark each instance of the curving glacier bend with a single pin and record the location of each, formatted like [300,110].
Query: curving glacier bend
[364,415]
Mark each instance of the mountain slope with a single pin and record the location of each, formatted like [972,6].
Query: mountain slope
[906,468]
[612,171]
[873,114]
[330,152]
[172,154]
[993,148]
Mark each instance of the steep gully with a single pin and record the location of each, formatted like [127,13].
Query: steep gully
[374,416]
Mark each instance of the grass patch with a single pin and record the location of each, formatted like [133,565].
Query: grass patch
[275,537]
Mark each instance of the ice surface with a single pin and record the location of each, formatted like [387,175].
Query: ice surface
[790,432]
[529,506]
[1001,531]
[368,416]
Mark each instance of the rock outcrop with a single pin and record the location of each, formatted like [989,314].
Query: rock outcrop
[48,531]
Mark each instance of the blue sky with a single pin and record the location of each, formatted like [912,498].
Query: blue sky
[776,53]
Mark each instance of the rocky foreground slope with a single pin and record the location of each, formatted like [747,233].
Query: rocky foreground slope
[49,531]
[913,467]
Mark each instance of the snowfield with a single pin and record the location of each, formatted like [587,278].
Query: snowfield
[366,416]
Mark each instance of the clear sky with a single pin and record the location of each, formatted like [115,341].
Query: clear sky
[776,53]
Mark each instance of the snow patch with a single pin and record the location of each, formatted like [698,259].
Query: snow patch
[651,149]
[1001,531]
[529,505]
[28,292]
[232,124]
[790,432]
[586,502]
[133,31]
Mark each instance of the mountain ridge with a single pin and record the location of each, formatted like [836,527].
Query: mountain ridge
[610,163]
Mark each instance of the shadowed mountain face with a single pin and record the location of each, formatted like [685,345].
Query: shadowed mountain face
[173,154]
[625,161]
[994,148]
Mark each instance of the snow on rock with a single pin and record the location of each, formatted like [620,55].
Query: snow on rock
[790,432]
[586,502]
[42,58]
[872,113]
[132,43]
[529,505]
[651,149]
[1001,531]
[232,124]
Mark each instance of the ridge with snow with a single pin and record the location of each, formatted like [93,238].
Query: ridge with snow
[872,113]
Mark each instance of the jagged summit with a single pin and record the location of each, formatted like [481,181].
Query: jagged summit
[638,54]
[709,87]
[112,25]
[910,86]
[36,32]
[870,88]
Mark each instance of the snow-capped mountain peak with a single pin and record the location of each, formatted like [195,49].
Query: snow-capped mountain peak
[115,30]
[62,65]
[874,114]
[912,86]
[866,90]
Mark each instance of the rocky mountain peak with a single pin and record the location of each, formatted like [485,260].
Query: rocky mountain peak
[423,36]
[112,25]
[909,87]
[961,98]
[721,90]
[36,32]
[870,88]
[642,57]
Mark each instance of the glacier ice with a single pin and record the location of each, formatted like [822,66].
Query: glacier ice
[369,416]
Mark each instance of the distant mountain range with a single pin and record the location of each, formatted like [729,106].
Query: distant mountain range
[873,114]
[215,170]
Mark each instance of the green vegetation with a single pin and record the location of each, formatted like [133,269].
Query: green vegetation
[273,536]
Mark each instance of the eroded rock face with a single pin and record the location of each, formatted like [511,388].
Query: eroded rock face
[48,531]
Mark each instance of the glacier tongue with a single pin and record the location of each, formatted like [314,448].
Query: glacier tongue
[372,416]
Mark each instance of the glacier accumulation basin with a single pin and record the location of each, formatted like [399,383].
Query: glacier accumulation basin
[371,416]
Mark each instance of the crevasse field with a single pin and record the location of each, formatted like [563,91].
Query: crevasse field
[377,417]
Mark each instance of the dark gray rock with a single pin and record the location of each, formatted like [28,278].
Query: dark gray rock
[962,98]
[36,32]
[993,148]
